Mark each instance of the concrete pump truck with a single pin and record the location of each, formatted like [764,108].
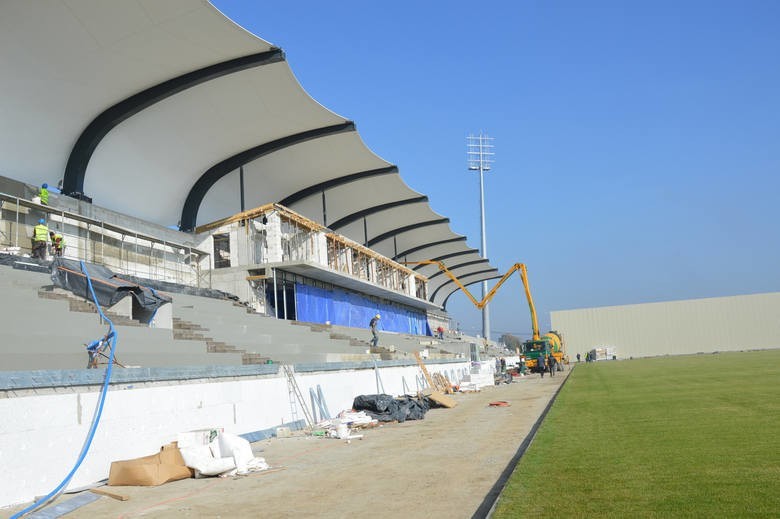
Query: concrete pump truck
[550,344]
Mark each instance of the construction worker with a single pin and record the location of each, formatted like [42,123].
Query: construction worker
[40,239]
[43,193]
[58,242]
[96,348]
[541,364]
[552,363]
[374,332]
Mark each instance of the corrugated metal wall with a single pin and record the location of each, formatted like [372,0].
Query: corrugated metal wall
[674,327]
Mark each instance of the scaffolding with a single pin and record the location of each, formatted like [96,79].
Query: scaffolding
[122,250]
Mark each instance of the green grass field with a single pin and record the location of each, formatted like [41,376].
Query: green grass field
[686,436]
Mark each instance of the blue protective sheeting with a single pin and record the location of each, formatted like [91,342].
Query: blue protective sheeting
[56,510]
[342,308]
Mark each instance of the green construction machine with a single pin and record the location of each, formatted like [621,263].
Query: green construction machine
[549,344]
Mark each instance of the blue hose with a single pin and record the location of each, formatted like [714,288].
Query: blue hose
[95,419]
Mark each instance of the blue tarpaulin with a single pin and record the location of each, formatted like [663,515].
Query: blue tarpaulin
[342,308]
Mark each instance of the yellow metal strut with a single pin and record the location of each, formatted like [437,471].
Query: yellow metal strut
[489,296]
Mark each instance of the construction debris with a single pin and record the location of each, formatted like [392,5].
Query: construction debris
[167,465]
[112,495]
[439,398]
[385,408]
[220,454]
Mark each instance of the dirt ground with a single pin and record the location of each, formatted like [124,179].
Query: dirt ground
[442,466]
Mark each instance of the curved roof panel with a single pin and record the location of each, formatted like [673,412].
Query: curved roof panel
[451,260]
[286,171]
[64,62]
[205,125]
[150,108]
[344,203]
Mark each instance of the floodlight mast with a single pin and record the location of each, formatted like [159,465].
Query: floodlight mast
[479,155]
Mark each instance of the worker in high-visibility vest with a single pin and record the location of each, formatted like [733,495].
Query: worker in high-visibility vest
[44,194]
[40,238]
[58,242]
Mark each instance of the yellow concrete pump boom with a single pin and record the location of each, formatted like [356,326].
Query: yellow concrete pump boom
[489,296]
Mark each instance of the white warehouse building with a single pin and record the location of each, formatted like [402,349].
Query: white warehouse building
[708,325]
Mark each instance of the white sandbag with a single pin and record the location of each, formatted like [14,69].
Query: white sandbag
[199,458]
[241,450]
[216,467]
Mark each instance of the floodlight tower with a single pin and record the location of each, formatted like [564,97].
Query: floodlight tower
[479,154]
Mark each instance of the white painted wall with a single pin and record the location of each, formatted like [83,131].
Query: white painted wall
[41,436]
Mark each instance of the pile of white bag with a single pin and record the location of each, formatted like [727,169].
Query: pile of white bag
[213,452]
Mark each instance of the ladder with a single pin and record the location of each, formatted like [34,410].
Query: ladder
[296,397]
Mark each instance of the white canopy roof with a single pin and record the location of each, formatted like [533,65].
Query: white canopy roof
[150,108]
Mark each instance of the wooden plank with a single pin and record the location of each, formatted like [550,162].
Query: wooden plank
[112,495]
[442,399]
[424,370]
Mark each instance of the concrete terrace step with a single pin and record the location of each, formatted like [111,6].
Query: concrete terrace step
[221,347]
[59,344]
[179,324]
[254,358]
[256,332]
[182,330]
[76,304]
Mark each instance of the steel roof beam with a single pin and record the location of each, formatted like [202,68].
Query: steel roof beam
[335,182]
[439,273]
[93,134]
[376,209]
[444,257]
[394,232]
[189,213]
[433,296]
[427,245]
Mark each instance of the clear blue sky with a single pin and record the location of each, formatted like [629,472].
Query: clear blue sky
[638,143]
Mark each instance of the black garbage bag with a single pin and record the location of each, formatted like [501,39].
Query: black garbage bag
[414,408]
[385,408]
[373,403]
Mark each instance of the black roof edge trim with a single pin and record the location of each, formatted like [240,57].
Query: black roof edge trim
[189,213]
[418,248]
[98,128]
[446,256]
[433,296]
[373,210]
[317,188]
[411,227]
[454,267]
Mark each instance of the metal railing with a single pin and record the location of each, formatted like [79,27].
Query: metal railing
[120,249]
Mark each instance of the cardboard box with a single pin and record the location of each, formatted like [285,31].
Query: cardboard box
[166,465]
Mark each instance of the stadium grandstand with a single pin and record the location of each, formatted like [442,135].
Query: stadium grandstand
[216,222]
